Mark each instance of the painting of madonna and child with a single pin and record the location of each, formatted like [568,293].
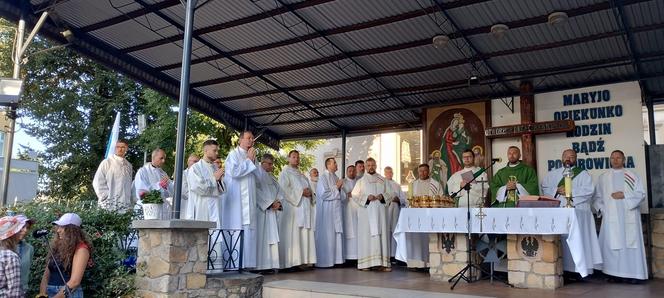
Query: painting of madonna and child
[449,131]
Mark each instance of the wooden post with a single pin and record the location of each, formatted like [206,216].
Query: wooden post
[527,100]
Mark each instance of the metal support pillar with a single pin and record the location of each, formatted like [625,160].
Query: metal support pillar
[11,111]
[184,103]
[343,154]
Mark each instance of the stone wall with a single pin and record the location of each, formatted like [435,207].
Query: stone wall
[657,223]
[534,261]
[447,256]
[172,262]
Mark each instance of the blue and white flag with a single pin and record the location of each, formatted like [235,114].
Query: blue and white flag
[113,137]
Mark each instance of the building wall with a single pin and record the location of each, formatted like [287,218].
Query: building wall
[23,180]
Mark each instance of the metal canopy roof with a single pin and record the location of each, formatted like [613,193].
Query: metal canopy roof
[317,67]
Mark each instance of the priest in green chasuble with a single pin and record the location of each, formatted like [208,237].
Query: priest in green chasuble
[512,181]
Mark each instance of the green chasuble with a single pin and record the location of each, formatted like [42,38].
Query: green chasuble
[525,175]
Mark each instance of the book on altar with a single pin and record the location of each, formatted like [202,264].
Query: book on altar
[532,201]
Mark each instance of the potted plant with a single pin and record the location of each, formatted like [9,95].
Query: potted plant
[152,204]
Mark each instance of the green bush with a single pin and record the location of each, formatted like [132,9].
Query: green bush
[107,277]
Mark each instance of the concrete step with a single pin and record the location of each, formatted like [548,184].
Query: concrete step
[311,289]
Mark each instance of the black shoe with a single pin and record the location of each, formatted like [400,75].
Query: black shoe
[634,281]
[614,280]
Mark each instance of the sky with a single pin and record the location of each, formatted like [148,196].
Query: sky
[22,138]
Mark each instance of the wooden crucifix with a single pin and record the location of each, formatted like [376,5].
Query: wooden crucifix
[528,127]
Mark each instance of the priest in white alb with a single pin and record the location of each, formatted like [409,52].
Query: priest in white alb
[396,199]
[373,236]
[329,220]
[349,214]
[112,181]
[268,199]
[187,205]
[553,185]
[296,226]
[417,244]
[238,208]
[618,197]
[205,184]
[459,179]
[152,177]
[313,180]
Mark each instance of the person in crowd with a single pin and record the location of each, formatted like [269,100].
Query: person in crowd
[25,251]
[71,256]
[10,263]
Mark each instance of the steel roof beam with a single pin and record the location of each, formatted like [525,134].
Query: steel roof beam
[469,99]
[461,84]
[358,66]
[475,54]
[131,15]
[226,25]
[333,31]
[100,52]
[397,47]
[621,18]
[245,67]
[453,63]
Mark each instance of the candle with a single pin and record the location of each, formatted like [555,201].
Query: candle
[568,187]
[15,198]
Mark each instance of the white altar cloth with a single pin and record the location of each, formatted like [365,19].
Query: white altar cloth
[528,221]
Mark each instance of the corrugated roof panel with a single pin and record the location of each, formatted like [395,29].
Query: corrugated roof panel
[386,35]
[347,12]
[569,55]
[168,53]
[310,75]
[576,27]
[656,86]
[653,68]
[287,116]
[360,107]
[649,41]
[584,78]
[375,119]
[80,13]
[226,89]
[300,128]
[501,11]
[414,100]
[349,89]
[409,58]
[280,56]
[253,34]
[215,12]
[200,72]
[430,77]
[645,13]
[139,31]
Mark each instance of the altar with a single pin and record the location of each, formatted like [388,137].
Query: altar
[534,250]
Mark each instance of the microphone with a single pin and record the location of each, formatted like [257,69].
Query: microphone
[40,233]
[496,159]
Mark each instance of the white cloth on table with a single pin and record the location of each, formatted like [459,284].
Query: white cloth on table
[522,221]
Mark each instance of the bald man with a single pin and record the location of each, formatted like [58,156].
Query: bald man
[152,177]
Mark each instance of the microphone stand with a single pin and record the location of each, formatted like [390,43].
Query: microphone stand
[50,251]
[470,265]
